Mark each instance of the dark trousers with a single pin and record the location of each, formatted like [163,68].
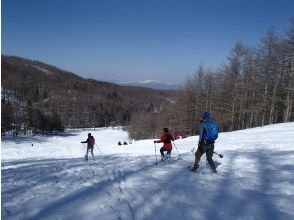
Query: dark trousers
[162,150]
[208,149]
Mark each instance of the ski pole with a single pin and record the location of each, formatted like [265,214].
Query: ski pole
[84,146]
[98,149]
[155,153]
[176,147]
[220,155]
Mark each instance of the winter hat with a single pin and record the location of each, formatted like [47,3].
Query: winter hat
[165,130]
[89,134]
[206,116]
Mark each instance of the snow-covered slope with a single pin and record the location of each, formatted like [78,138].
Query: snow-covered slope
[51,180]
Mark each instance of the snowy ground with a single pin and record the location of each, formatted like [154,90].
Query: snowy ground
[51,180]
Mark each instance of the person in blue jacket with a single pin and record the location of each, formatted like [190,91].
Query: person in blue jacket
[208,134]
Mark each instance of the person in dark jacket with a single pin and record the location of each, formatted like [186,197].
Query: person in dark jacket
[90,145]
[204,146]
[166,138]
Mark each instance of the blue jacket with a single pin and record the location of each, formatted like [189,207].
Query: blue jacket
[203,135]
[202,132]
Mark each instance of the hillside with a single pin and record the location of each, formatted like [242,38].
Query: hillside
[79,102]
[254,181]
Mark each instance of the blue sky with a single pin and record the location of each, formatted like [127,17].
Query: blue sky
[130,40]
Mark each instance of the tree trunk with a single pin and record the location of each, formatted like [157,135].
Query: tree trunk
[265,105]
[289,99]
[273,102]
[252,109]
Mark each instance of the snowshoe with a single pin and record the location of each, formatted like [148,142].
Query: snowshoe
[162,161]
[192,169]
[168,158]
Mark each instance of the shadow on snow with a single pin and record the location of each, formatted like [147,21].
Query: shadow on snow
[223,203]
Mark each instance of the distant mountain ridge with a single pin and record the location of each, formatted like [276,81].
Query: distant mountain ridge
[153,84]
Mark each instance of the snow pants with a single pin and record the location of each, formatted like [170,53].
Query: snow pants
[162,150]
[90,148]
[208,149]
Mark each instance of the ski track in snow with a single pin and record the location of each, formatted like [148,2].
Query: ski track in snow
[51,180]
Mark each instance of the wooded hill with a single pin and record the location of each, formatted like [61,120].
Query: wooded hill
[253,87]
[37,96]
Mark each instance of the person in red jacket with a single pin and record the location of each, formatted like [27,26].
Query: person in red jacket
[90,145]
[166,138]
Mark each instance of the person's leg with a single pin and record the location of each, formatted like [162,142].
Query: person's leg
[198,155]
[92,152]
[209,154]
[86,155]
[162,154]
[168,155]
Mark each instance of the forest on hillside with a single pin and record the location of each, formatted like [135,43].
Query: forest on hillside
[254,87]
[40,98]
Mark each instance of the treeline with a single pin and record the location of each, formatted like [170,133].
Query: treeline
[60,99]
[28,120]
[254,87]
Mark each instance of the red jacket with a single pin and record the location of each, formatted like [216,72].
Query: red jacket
[90,141]
[166,139]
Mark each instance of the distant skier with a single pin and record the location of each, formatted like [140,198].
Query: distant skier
[208,135]
[166,138]
[90,145]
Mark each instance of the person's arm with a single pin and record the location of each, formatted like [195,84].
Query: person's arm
[201,133]
[84,142]
[162,138]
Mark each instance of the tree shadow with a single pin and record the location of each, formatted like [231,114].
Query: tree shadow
[37,138]
[161,199]
[90,192]
[252,203]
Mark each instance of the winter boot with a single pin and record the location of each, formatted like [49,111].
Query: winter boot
[194,168]
[213,171]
